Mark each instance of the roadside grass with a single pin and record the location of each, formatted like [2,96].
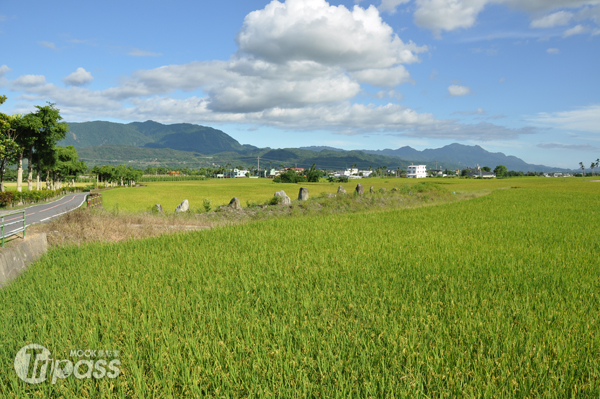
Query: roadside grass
[493,297]
[12,186]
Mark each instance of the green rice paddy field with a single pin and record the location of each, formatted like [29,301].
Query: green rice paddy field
[493,297]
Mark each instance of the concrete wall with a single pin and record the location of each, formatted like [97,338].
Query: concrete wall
[15,259]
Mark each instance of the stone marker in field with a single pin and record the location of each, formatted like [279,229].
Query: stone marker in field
[303,194]
[235,203]
[285,200]
[371,190]
[341,190]
[359,189]
[183,207]
[157,208]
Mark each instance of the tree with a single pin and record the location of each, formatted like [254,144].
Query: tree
[51,132]
[592,167]
[28,130]
[313,175]
[500,171]
[68,165]
[8,146]
[486,169]
[582,169]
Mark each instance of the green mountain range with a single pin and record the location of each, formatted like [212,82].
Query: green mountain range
[149,143]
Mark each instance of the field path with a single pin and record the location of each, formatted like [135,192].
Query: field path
[41,213]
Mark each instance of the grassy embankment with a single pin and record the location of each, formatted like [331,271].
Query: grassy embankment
[493,297]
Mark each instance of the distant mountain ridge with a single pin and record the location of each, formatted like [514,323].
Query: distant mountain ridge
[465,156]
[150,134]
[142,142]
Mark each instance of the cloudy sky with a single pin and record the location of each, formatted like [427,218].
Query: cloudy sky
[515,76]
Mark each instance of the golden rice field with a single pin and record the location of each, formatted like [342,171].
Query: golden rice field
[492,297]
[220,192]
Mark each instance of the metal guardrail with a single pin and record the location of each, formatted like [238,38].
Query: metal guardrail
[94,200]
[3,225]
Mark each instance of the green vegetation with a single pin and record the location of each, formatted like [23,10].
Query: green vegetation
[34,137]
[492,297]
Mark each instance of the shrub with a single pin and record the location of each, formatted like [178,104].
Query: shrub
[6,198]
[206,205]
[276,200]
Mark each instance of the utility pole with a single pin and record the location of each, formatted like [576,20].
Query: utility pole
[258,166]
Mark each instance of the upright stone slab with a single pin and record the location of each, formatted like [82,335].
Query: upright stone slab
[285,200]
[303,194]
[183,207]
[371,190]
[359,189]
[235,203]
[341,190]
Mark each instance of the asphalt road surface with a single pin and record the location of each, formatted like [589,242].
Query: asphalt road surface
[42,213]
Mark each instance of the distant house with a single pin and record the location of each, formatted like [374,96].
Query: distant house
[416,171]
[236,173]
[478,172]
[174,173]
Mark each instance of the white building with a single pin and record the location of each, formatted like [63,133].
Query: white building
[416,171]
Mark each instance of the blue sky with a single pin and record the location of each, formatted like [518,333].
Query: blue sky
[513,76]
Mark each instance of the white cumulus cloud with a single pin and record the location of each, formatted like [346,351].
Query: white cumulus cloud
[449,15]
[136,52]
[576,30]
[457,91]
[383,77]
[553,51]
[49,45]
[585,119]
[313,30]
[559,18]
[80,77]
[26,81]
[390,5]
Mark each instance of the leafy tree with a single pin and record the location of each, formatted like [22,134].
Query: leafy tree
[8,146]
[68,165]
[313,175]
[500,171]
[486,169]
[582,169]
[28,130]
[51,132]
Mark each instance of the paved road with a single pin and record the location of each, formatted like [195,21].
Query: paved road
[42,213]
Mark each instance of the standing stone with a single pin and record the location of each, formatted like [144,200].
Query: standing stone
[359,189]
[285,200]
[183,207]
[371,190]
[235,203]
[303,194]
[157,208]
[341,190]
